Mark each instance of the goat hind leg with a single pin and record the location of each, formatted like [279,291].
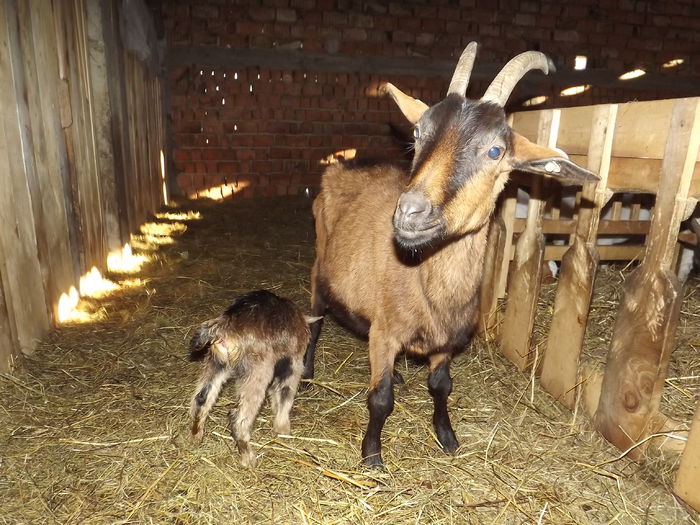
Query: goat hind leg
[282,397]
[440,387]
[213,377]
[251,394]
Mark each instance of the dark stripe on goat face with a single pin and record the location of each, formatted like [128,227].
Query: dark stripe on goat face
[452,167]
[283,369]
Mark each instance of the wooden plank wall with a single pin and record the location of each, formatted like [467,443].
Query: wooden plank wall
[646,147]
[81,134]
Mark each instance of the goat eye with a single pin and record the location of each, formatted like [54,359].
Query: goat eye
[494,152]
[416,133]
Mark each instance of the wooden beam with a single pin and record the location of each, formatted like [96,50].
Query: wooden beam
[650,305]
[606,227]
[631,175]
[622,252]
[286,60]
[640,137]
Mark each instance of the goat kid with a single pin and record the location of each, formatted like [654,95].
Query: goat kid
[260,341]
[399,256]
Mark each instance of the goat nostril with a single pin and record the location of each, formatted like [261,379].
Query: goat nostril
[414,205]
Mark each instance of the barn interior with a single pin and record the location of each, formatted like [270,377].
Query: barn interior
[162,158]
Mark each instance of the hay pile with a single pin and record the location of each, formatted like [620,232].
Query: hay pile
[93,429]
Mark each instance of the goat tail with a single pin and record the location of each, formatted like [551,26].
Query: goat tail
[203,338]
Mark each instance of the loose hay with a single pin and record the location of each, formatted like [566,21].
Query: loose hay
[94,426]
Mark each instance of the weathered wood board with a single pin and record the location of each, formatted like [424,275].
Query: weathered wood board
[687,484]
[22,276]
[578,270]
[68,198]
[645,326]
[640,136]
[526,270]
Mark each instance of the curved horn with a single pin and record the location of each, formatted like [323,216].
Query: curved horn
[502,86]
[460,78]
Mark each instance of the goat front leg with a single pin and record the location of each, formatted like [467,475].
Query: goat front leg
[380,399]
[318,309]
[440,387]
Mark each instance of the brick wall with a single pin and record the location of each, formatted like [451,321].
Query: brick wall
[268,132]
[276,138]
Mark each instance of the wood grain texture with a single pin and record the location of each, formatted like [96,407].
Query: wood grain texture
[641,131]
[645,326]
[578,270]
[55,232]
[22,280]
[526,270]
[687,484]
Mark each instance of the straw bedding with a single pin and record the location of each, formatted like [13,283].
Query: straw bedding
[93,426]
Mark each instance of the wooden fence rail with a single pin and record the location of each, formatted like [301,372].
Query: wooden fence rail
[81,131]
[647,147]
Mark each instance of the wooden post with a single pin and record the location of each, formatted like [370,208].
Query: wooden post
[526,270]
[578,269]
[645,326]
[687,484]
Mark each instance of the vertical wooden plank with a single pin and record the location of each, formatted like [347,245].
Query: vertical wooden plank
[99,84]
[8,335]
[526,270]
[687,484]
[495,251]
[22,278]
[80,139]
[48,149]
[578,269]
[117,100]
[645,326]
[508,218]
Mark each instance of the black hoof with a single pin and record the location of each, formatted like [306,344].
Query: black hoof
[374,461]
[449,442]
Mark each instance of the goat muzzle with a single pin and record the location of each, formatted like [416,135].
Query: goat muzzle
[415,222]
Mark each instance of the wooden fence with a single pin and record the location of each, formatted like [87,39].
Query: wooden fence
[81,131]
[645,147]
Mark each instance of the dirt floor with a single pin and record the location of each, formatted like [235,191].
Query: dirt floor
[93,427]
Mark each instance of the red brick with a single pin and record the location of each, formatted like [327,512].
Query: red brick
[261,14]
[286,15]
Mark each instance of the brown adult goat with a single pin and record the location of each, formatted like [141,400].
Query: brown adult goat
[399,256]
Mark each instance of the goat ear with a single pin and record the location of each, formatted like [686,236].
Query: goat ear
[412,108]
[541,160]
